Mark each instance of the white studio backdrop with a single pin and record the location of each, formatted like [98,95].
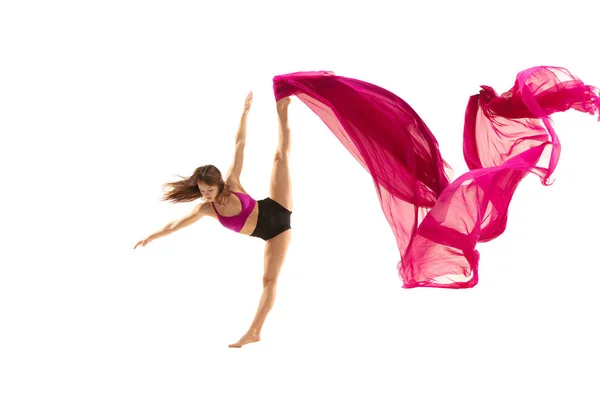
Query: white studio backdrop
[103,102]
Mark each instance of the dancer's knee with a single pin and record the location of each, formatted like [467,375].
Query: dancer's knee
[282,155]
[269,282]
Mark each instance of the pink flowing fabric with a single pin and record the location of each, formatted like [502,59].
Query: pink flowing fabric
[437,223]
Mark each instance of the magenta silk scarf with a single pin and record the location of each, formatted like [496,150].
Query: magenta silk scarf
[437,223]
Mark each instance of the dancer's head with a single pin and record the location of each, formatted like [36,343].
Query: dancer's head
[206,182]
[210,182]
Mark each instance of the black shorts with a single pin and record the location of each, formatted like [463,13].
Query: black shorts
[273,218]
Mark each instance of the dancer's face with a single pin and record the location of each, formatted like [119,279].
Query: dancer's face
[209,192]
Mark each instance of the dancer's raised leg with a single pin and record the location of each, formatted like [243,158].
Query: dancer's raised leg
[281,183]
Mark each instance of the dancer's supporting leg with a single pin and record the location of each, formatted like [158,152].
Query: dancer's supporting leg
[275,248]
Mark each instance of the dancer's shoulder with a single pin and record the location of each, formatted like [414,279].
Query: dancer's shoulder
[205,209]
[235,185]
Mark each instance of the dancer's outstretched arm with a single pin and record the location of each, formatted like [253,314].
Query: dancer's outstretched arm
[240,143]
[198,212]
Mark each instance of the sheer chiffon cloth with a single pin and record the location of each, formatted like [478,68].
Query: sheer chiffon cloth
[437,224]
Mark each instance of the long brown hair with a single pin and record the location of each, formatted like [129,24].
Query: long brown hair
[186,189]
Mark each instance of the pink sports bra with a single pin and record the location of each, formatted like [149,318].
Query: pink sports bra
[236,222]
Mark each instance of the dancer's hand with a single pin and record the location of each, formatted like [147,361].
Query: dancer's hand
[248,102]
[143,242]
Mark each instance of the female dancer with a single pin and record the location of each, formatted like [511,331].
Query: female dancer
[228,201]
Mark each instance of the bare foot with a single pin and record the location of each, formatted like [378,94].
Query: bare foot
[284,102]
[247,338]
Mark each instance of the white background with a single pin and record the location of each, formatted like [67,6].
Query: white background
[103,102]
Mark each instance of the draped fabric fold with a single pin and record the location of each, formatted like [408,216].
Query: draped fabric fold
[437,224]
